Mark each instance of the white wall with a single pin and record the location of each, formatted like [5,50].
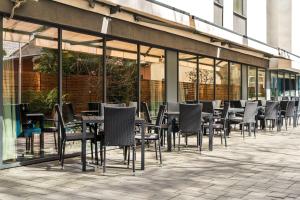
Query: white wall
[257,19]
[295,27]
[200,8]
[228,14]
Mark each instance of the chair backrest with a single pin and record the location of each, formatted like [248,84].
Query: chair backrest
[272,108]
[61,122]
[283,105]
[285,98]
[24,109]
[95,106]
[145,110]
[190,118]
[160,115]
[173,106]
[119,126]
[224,114]
[235,104]
[68,112]
[208,106]
[250,112]
[290,109]
[218,103]
[191,101]
[112,105]
[133,104]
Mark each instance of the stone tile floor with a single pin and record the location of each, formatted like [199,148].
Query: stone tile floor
[267,167]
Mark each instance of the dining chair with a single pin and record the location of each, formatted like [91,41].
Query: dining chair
[154,132]
[190,116]
[288,113]
[270,114]
[68,136]
[119,130]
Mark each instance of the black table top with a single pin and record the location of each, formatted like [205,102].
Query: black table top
[100,119]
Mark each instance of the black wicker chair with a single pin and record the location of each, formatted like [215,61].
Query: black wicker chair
[270,114]
[66,136]
[190,123]
[119,130]
[221,123]
[288,113]
[154,132]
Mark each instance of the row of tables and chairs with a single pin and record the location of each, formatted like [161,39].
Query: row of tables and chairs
[106,125]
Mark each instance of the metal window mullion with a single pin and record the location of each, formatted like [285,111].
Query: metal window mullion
[138,78]
[256,84]
[228,81]
[197,80]
[214,79]
[104,70]
[59,70]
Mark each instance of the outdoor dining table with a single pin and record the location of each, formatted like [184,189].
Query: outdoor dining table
[99,120]
[39,117]
[171,116]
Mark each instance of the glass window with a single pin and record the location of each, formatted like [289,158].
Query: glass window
[206,78]
[187,75]
[238,6]
[261,84]
[280,84]
[287,85]
[121,71]
[29,85]
[251,83]
[152,74]
[235,81]
[274,84]
[218,14]
[293,85]
[82,69]
[221,80]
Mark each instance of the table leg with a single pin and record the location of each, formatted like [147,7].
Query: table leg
[42,138]
[169,133]
[83,147]
[143,147]
[211,134]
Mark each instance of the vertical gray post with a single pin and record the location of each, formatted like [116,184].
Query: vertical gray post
[60,71]
[104,69]
[244,82]
[20,75]
[171,76]
[1,89]
[268,84]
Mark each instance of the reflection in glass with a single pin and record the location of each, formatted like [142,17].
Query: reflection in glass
[152,74]
[273,84]
[251,83]
[82,69]
[121,71]
[206,78]
[29,85]
[293,85]
[287,85]
[221,80]
[280,84]
[187,77]
[261,84]
[235,81]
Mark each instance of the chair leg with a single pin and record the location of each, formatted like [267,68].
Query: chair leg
[96,152]
[225,138]
[128,160]
[186,140]
[201,140]
[92,152]
[133,158]
[174,138]
[254,132]
[179,142]
[159,149]
[155,146]
[32,144]
[55,141]
[101,152]
[286,123]
[125,153]
[221,136]
[63,154]
[104,159]
[249,130]
[243,130]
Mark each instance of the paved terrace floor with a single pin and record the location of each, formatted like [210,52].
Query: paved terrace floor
[267,167]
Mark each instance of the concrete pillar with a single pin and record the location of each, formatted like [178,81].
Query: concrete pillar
[171,76]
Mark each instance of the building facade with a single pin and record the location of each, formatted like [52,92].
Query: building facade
[56,51]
